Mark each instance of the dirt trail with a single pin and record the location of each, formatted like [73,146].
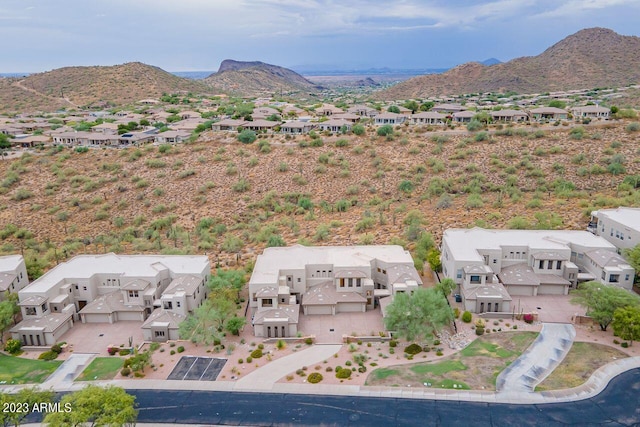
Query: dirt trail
[19,85]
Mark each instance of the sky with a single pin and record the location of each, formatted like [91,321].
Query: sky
[190,35]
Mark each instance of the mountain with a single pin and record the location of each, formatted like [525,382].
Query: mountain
[594,57]
[491,61]
[256,78]
[79,86]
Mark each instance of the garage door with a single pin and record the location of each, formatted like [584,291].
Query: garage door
[129,315]
[520,290]
[96,318]
[551,290]
[319,309]
[350,307]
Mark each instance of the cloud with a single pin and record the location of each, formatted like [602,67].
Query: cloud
[575,7]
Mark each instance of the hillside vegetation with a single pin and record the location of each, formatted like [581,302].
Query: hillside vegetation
[231,200]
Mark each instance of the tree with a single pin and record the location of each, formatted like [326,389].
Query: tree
[633,256]
[393,109]
[626,323]
[8,309]
[483,117]
[420,315]
[446,286]
[5,143]
[100,406]
[201,326]
[602,301]
[556,103]
[385,130]
[227,278]
[426,106]
[235,324]
[358,129]
[433,258]
[247,136]
[26,398]
[412,105]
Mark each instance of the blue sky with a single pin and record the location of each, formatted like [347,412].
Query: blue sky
[184,35]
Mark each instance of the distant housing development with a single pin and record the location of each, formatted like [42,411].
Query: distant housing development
[109,288]
[324,280]
[491,266]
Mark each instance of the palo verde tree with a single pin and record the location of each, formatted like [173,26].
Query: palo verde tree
[27,398]
[626,323]
[602,301]
[94,405]
[418,316]
[633,256]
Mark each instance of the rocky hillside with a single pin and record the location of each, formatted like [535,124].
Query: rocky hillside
[80,86]
[257,78]
[594,57]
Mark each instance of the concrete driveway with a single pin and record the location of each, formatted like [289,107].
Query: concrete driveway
[329,329]
[550,308]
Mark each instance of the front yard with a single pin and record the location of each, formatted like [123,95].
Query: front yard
[101,368]
[475,367]
[18,370]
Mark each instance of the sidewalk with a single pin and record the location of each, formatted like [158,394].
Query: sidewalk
[63,377]
[539,360]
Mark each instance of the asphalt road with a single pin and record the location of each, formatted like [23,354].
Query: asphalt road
[618,405]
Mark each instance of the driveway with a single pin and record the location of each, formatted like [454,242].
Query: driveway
[550,308]
[329,329]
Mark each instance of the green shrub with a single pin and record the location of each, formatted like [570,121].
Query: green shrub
[358,129]
[413,349]
[393,343]
[125,372]
[466,317]
[124,352]
[172,352]
[56,348]
[240,361]
[343,373]
[385,130]
[314,378]
[180,349]
[474,126]
[308,341]
[633,127]
[48,355]
[479,331]
[12,346]
[247,136]
[257,353]
[249,359]
[329,369]
[624,344]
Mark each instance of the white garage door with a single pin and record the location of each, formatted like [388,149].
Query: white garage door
[520,290]
[319,309]
[129,315]
[350,307]
[551,290]
[96,318]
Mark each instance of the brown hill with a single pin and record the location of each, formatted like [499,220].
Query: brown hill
[256,78]
[594,57]
[80,86]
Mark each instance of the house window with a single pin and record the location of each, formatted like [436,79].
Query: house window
[626,277]
[84,288]
[475,279]
[604,275]
[342,282]
[558,265]
[549,264]
[495,261]
[255,299]
[168,305]
[541,264]
[178,304]
[358,282]
[76,287]
[459,274]
[384,271]
[621,236]
[267,302]
[44,307]
[379,270]
[30,311]
[133,294]
[159,334]
[614,278]
[299,280]
[350,282]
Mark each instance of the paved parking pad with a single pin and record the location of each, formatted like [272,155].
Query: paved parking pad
[197,368]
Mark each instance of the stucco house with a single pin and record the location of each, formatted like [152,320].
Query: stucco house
[591,112]
[335,125]
[172,137]
[389,118]
[548,113]
[296,127]
[107,289]
[230,125]
[448,108]
[620,226]
[323,280]
[13,274]
[464,116]
[428,118]
[509,116]
[492,266]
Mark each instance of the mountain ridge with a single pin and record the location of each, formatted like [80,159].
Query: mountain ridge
[592,57]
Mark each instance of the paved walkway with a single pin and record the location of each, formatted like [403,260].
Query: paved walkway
[265,377]
[539,360]
[67,372]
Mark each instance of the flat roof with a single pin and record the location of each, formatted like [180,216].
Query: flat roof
[86,266]
[465,243]
[296,257]
[10,262]
[629,217]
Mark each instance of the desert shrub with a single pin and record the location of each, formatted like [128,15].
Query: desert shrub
[247,136]
[249,359]
[385,130]
[413,349]
[456,312]
[125,372]
[358,129]
[12,346]
[474,126]
[257,353]
[22,194]
[479,331]
[308,341]
[124,352]
[528,318]
[314,377]
[112,351]
[624,344]
[180,349]
[240,361]
[466,317]
[172,352]
[343,373]
[48,355]
[393,343]
[632,127]
[56,348]
[329,369]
